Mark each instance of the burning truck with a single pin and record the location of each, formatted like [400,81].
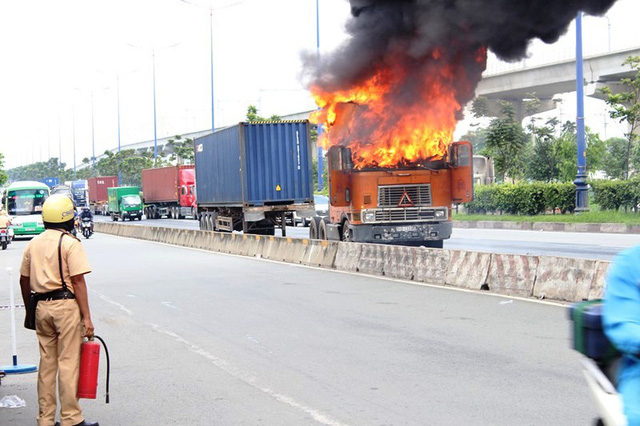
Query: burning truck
[389,101]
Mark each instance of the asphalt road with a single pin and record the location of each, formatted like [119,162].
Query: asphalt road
[538,243]
[201,338]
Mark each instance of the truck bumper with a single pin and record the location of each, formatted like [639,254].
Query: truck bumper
[402,233]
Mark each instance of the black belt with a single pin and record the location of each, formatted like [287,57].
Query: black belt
[55,295]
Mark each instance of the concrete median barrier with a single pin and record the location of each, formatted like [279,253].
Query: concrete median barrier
[348,256]
[320,253]
[430,265]
[599,280]
[468,269]
[567,279]
[554,278]
[399,262]
[513,275]
[371,260]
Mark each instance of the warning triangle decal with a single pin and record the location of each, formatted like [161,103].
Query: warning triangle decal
[405,200]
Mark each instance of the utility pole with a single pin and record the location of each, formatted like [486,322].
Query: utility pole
[320,150]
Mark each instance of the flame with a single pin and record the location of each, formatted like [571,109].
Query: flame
[397,116]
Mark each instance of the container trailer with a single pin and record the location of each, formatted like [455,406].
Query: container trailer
[252,177]
[98,196]
[169,191]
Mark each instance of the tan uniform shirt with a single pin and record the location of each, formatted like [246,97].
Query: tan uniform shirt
[40,261]
[4,221]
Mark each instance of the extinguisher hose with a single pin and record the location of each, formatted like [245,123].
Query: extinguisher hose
[106,351]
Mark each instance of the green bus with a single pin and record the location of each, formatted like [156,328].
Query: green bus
[23,202]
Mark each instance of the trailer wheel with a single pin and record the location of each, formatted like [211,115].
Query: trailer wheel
[313,228]
[322,230]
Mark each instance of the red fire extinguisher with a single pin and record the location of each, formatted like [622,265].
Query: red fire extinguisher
[89,362]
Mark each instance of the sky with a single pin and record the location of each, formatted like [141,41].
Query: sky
[61,57]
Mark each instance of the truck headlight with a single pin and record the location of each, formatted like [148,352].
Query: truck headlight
[440,214]
[368,217]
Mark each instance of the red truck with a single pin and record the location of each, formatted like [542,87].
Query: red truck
[98,198]
[169,191]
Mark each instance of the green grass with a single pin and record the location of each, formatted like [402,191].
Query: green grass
[588,217]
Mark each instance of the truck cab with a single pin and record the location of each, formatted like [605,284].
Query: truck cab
[408,205]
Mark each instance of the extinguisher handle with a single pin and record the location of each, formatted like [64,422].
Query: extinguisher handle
[106,351]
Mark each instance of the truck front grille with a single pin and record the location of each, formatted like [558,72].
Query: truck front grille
[405,215]
[392,196]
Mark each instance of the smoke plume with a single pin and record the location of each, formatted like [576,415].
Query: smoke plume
[381,30]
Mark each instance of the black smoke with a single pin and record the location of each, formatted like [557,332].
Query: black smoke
[383,31]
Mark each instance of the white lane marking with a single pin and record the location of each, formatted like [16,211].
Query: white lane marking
[248,379]
[169,305]
[106,299]
[131,295]
[505,302]
[235,372]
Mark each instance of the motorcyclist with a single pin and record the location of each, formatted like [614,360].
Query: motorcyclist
[86,213]
[621,320]
[5,222]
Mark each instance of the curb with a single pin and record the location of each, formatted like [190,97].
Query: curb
[605,228]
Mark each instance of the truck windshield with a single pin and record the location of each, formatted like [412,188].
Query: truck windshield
[25,201]
[428,164]
[131,200]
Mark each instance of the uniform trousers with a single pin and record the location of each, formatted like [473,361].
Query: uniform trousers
[59,331]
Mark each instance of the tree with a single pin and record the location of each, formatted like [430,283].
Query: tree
[183,150]
[253,117]
[3,174]
[614,161]
[506,142]
[478,138]
[566,152]
[542,164]
[625,107]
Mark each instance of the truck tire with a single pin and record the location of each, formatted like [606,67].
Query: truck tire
[322,230]
[314,228]
[346,235]
[113,217]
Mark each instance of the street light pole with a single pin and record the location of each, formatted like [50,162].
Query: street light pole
[582,198]
[73,115]
[213,125]
[93,142]
[118,102]
[155,131]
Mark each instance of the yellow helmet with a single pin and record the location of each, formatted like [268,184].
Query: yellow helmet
[58,208]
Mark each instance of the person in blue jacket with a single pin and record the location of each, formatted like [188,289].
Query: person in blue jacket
[621,320]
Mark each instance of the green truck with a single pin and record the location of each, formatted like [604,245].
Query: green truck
[125,203]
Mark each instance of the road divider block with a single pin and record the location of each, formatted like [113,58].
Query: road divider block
[561,278]
[599,280]
[513,275]
[348,256]
[371,259]
[399,262]
[320,253]
[430,265]
[468,269]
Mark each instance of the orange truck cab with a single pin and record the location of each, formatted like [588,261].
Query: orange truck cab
[402,205]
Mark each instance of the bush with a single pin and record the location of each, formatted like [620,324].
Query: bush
[616,194]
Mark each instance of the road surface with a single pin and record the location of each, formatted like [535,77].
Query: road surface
[580,245]
[201,338]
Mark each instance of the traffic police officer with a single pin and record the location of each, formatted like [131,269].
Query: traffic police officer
[62,316]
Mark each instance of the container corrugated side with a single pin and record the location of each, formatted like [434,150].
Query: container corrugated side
[98,188]
[277,160]
[217,159]
[160,185]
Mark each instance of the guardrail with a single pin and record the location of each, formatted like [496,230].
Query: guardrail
[556,278]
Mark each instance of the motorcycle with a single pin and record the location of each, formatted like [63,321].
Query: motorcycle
[608,402]
[86,226]
[599,361]
[5,238]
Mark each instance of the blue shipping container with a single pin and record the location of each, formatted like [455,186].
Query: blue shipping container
[255,164]
[50,181]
